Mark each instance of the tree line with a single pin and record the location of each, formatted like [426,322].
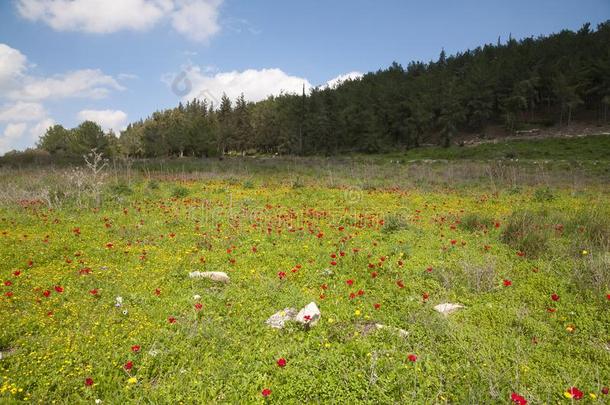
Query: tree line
[518,84]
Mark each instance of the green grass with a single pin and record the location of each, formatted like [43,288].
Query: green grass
[572,149]
[407,248]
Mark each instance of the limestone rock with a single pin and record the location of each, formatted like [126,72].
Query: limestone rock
[309,315]
[279,319]
[401,332]
[447,308]
[218,276]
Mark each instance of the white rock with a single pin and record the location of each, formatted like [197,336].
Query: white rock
[278,319]
[212,275]
[401,332]
[309,315]
[447,308]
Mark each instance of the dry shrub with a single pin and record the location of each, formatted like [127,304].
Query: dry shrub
[528,232]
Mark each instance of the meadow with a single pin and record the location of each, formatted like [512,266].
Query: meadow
[98,307]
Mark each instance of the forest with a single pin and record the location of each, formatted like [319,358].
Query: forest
[512,85]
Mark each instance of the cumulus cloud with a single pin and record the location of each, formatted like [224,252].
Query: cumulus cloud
[95,16]
[20,135]
[22,111]
[333,83]
[12,65]
[39,129]
[87,83]
[107,119]
[22,95]
[196,19]
[10,136]
[13,131]
[255,84]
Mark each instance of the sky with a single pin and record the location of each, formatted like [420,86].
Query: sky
[117,61]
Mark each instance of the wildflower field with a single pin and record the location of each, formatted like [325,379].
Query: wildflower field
[98,307]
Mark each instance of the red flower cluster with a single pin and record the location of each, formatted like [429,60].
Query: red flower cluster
[518,399]
[575,393]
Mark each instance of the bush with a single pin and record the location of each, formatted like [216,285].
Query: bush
[592,226]
[28,157]
[593,273]
[475,222]
[153,184]
[544,194]
[121,188]
[393,223]
[527,231]
[180,192]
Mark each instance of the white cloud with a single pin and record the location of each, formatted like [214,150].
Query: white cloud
[22,111]
[335,82]
[18,136]
[255,84]
[107,119]
[87,83]
[22,96]
[196,19]
[40,128]
[12,65]
[13,131]
[95,16]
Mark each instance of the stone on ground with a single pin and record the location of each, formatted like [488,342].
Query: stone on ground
[401,332]
[218,276]
[279,319]
[309,315]
[447,308]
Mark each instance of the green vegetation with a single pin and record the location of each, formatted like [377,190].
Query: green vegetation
[595,147]
[99,304]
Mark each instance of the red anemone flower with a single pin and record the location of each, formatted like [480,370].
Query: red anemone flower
[518,399]
[281,362]
[412,358]
[575,393]
[266,392]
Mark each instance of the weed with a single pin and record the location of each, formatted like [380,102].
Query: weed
[527,231]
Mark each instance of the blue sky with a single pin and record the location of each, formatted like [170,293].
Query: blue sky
[114,61]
